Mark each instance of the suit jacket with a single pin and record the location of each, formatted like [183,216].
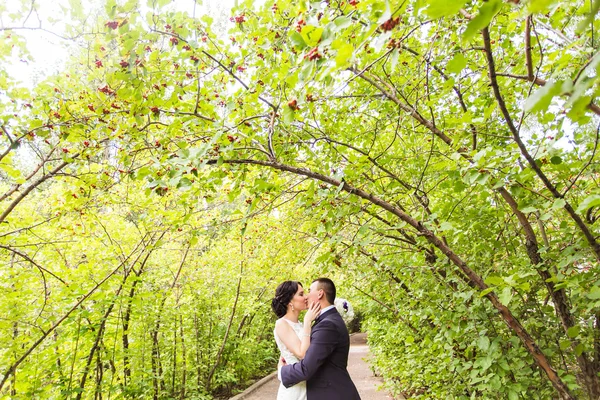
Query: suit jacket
[324,365]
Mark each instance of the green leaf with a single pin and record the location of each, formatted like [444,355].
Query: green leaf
[594,293]
[573,331]
[446,226]
[342,22]
[556,160]
[343,55]
[297,40]
[483,343]
[486,12]
[540,99]
[184,184]
[381,11]
[288,115]
[394,59]
[558,204]
[441,8]
[589,202]
[311,35]
[306,71]
[540,6]
[506,295]
[565,344]
[456,64]
[512,395]
[579,349]
[528,209]
[494,280]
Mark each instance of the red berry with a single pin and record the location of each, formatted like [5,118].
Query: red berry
[313,54]
[293,104]
[112,24]
[390,24]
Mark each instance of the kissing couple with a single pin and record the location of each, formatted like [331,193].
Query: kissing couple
[314,357]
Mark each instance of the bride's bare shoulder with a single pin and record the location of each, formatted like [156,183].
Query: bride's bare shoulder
[281,325]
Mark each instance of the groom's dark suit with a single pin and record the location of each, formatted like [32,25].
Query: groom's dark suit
[324,365]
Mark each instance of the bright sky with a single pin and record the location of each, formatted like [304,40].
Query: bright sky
[50,51]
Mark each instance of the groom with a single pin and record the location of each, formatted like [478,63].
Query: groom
[324,366]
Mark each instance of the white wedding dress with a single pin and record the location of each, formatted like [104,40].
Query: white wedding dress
[298,391]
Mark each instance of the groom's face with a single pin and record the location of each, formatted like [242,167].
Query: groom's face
[313,293]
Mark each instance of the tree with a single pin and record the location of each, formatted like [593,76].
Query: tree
[410,126]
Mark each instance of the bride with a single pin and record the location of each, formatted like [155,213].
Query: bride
[292,337]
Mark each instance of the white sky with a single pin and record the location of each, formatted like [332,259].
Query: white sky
[50,52]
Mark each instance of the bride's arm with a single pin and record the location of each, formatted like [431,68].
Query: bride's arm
[309,317]
[288,336]
[290,339]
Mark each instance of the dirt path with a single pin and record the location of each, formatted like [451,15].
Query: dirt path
[366,383]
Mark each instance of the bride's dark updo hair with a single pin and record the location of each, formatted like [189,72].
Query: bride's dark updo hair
[283,295]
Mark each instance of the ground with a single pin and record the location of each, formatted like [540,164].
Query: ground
[358,367]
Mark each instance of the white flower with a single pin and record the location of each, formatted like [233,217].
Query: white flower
[345,309]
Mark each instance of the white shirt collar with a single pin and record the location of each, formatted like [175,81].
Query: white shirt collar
[326,309]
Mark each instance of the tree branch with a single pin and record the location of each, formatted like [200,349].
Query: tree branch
[496,89]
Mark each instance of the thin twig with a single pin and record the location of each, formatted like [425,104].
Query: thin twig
[587,164]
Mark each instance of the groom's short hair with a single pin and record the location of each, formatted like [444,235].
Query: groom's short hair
[328,287]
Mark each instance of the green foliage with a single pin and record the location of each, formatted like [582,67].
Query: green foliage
[155,191]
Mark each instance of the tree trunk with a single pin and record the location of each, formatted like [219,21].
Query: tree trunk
[126,320]
[183,355]
[174,369]
[157,371]
[198,354]
[99,376]
[96,346]
[233,310]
